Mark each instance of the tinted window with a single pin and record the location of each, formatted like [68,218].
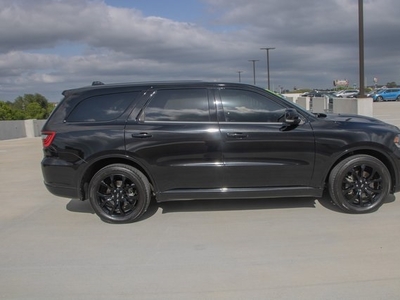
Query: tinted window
[102,108]
[247,106]
[190,105]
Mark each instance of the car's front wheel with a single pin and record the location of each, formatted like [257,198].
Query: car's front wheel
[359,184]
[379,98]
[119,193]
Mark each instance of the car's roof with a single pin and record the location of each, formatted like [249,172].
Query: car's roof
[149,84]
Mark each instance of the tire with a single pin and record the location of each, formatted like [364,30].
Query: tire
[119,193]
[379,99]
[398,98]
[359,184]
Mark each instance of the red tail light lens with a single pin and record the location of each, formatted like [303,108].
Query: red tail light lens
[47,138]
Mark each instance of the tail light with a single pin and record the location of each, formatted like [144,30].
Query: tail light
[47,138]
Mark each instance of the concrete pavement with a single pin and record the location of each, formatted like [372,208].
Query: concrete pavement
[56,248]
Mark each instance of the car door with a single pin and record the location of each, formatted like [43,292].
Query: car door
[177,140]
[391,94]
[259,151]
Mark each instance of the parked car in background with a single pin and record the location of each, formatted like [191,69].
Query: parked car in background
[353,95]
[346,93]
[376,91]
[312,94]
[336,94]
[390,94]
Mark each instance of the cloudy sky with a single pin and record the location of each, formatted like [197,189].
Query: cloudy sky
[47,46]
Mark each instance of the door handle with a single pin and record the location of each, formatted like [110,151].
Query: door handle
[238,135]
[141,135]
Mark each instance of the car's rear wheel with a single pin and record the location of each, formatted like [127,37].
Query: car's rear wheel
[359,184]
[119,193]
[398,98]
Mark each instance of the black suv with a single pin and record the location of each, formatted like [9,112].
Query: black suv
[120,145]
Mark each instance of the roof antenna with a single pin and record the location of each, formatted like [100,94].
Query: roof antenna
[97,83]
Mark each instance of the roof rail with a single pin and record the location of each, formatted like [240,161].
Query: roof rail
[97,83]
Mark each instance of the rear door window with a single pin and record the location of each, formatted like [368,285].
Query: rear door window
[182,105]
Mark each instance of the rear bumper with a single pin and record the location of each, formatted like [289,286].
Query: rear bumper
[61,191]
[60,178]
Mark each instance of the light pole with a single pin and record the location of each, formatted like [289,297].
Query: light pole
[239,75]
[254,69]
[361,46]
[267,49]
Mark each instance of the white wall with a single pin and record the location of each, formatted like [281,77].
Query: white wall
[20,129]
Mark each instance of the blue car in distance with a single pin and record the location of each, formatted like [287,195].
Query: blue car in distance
[387,95]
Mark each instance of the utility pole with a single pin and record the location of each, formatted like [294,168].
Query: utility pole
[267,49]
[361,46]
[254,69]
[239,75]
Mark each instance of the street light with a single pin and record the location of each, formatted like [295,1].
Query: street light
[254,69]
[267,49]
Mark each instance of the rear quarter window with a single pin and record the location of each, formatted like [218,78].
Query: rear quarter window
[102,107]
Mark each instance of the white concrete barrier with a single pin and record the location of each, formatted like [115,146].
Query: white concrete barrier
[20,129]
[320,104]
[304,102]
[359,106]
[292,96]
[291,99]
[33,127]
[12,130]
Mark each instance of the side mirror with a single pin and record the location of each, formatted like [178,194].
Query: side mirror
[292,117]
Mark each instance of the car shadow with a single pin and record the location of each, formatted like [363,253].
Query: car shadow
[75,205]
[79,206]
[327,202]
[236,204]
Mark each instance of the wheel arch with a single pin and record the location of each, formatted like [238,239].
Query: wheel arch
[93,168]
[371,152]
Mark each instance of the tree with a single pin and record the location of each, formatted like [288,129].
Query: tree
[34,111]
[32,106]
[391,84]
[6,112]
[22,102]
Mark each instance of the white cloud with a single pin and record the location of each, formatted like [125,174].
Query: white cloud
[315,41]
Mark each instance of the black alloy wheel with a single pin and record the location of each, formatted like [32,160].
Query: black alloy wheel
[359,184]
[119,193]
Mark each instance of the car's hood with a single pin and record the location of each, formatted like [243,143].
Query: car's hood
[344,118]
[351,118]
